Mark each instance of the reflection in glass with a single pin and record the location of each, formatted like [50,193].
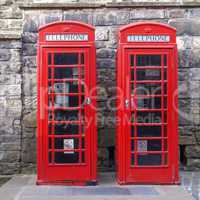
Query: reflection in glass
[149,131]
[64,157]
[148,60]
[65,72]
[149,117]
[151,103]
[148,89]
[148,74]
[64,115]
[149,159]
[66,58]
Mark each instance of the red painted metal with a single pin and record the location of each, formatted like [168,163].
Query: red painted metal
[147,158]
[51,169]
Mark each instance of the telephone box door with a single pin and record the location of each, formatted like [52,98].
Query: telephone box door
[149,149]
[66,135]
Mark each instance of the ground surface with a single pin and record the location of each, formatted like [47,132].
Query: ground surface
[22,187]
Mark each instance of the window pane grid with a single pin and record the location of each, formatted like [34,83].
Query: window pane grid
[141,154]
[65,132]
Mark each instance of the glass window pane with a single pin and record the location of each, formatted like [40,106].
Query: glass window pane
[49,73]
[132,75]
[65,72]
[149,159]
[148,74]
[65,87]
[154,145]
[148,89]
[132,145]
[82,58]
[149,131]
[151,103]
[64,101]
[83,157]
[49,58]
[64,129]
[148,60]
[64,157]
[50,157]
[132,159]
[148,117]
[132,60]
[66,58]
[64,115]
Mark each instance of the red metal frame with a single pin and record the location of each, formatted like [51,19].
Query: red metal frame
[84,171]
[163,173]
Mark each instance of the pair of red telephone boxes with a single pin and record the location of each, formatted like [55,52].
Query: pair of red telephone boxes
[146,138]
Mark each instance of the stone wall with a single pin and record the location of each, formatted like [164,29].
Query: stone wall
[18,45]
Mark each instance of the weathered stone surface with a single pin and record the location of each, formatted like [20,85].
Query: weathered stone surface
[147,14]
[193,164]
[105,63]
[9,156]
[196,42]
[30,84]
[29,37]
[29,49]
[187,140]
[30,104]
[9,168]
[10,79]
[29,150]
[106,53]
[29,62]
[12,44]
[186,26]
[36,19]
[82,16]
[30,120]
[189,58]
[175,13]
[4,55]
[10,90]
[113,17]
[10,12]
[193,151]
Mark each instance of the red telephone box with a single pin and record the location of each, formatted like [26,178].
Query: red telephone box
[67,147]
[147,136]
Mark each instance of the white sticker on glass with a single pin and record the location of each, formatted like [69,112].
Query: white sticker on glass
[142,145]
[68,144]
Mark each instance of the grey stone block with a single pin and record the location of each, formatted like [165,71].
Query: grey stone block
[5,55]
[29,49]
[105,63]
[147,14]
[106,53]
[29,37]
[82,16]
[111,17]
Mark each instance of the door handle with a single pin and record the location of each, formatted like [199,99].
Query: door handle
[88,100]
[127,103]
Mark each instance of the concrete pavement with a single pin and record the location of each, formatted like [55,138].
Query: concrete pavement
[22,187]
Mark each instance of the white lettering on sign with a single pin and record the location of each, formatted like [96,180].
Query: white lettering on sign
[67,37]
[148,38]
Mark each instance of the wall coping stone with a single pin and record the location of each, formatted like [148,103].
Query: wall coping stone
[107,5]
